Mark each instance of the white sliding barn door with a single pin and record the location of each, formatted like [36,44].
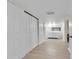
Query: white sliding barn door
[33,32]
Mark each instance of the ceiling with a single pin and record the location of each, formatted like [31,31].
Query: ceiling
[62,9]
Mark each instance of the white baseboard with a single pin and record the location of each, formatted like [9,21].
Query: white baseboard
[69,50]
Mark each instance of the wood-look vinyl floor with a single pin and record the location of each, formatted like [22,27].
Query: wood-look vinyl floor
[50,49]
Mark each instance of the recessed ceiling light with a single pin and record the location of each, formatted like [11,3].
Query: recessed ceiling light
[50,13]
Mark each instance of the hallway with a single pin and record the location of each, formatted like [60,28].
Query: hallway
[50,49]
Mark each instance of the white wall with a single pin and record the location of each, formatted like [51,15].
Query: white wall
[41,33]
[22,32]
